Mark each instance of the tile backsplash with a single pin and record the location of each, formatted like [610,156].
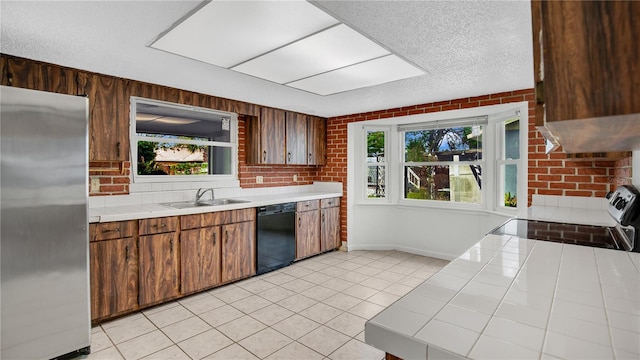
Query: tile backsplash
[580,202]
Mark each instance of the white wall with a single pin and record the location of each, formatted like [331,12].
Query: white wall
[388,225]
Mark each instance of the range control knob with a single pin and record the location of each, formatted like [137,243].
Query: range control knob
[620,204]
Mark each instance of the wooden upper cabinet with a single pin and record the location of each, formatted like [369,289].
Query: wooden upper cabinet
[589,55]
[27,74]
[296,132]
[316,141]
[108,115]
[265,137]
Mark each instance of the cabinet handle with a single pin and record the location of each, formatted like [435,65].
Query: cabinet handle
[264,156]
[118,149]
[310,157]
[539,91]
[323,218]
[126,253]
[214,239]
[105,231]
[299,222]
[171,245]
[226,236]
[289,157]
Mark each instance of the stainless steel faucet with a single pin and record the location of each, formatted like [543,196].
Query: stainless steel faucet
[201,193]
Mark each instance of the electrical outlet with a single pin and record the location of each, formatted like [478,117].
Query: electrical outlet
[295,178]
[259,179]
[95,184]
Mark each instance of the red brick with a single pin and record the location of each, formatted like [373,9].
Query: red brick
[596,187]
[562,185]
[550,192]
[563,171]
[578,179]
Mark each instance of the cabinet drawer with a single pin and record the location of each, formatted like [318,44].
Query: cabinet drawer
[308,205]
[331,202]
[242,215]
[158,225]
[111,230]
[197,221]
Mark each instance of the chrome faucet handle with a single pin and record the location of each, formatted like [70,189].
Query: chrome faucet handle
[201,193]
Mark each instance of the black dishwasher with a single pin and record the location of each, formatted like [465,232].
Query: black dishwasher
[275,237]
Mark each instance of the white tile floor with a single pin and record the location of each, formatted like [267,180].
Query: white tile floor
[313,309]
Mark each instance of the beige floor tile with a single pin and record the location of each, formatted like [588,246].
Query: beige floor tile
[360,260]
[337,284]
[354,277]
[257,286]
[205,344]
[398,289]
[171,353]
[376,283]
[170,316]
[360,292]
[342,301]
[185,329]
[110,353]
[360,337]
[346,323]
[320,313]
[232,295]
[317,277]
[241,327]
[221,315]
[297,271]
[271,314]
[144,345]
[297,302]
[319,293]
[100,341]
[159,308]
[295,351]
[122,331]
[265,342]
[250,304]
[313,264]
[333,272]
[122,320]
[298,285]
[232,352]
[367,270]
[203,304]
[276,294]
[295,326]
[96,329]
[390,276]
[356,350]
[280,278]
[324,340]
[366,309]
[383,299]
[411,281]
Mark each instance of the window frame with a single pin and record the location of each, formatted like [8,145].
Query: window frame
[364,195]
[134,138]
[451,123]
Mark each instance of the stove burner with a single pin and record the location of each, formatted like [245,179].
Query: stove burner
[586,235]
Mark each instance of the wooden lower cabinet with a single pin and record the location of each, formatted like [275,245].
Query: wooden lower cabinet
[330,229]
[114,277]
[200,259]
[159,268]
[238,250]
[307,233]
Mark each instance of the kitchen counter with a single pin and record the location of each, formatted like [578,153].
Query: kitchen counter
[144,211]
[508,297]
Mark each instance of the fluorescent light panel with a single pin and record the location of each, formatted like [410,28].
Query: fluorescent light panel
[328,50]
[287,42]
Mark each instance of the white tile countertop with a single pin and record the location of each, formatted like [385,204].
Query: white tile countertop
[508,298]
[255,198]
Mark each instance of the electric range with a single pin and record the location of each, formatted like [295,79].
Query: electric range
[624,208]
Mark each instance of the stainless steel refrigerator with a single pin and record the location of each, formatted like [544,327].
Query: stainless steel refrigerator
[44,248]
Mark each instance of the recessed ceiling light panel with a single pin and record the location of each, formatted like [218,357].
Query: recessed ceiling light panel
[226,33]
[378,71]
[328,50]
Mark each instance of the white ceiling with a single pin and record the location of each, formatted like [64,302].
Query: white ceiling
[469,48]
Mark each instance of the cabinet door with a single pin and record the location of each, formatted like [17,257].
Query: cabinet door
[272,136]
[34,75]
[316,141]
[590,57]
[114,277]
[200,259]
[330,228]
[307,233]
[238,251]
[158,268]
[296,129]
[108,116]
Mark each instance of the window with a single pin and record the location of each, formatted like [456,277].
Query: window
[507,162]
[443,161]
[180,141]
[376,165]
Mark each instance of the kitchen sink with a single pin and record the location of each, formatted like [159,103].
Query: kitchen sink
[214,202]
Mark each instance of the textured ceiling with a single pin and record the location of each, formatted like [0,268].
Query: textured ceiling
[469,48]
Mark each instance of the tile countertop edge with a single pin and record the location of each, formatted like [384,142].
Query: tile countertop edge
[134,212]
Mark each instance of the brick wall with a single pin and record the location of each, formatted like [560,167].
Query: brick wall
[114,177]
[551,174]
